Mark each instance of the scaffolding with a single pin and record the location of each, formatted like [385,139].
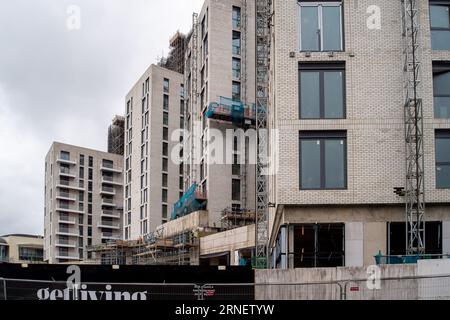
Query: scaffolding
[263,20]
[244,86]
[233,218]
[415,183]
[155,249]
[194,90]
[116,136]
[175,60]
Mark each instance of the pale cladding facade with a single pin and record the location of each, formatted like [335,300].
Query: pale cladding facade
[83,201]
[225,67]
[337,101]
[153,178]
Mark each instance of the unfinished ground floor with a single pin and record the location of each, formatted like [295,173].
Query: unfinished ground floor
[308,237]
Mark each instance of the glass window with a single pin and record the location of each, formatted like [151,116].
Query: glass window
[164,211]
[165,180]
[310,164]
[320,26]
[164,195]
[236,91]
[65,155]
[166,134]
[236,68]
[322,91]
[443,159]
[165,149]
[236,190]
[236,17]
[166,102]
[323,160]
[236,42]
[166,85]
[440,25]
[165,165]
[441,84]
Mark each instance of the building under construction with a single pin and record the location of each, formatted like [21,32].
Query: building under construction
[116,136]
[361,155]
[175,60]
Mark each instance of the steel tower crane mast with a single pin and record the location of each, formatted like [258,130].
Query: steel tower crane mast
[263,19]
[415,182]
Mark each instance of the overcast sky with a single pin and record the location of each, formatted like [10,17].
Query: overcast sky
[66,85]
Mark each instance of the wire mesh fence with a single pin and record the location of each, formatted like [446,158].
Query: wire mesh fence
[411,288]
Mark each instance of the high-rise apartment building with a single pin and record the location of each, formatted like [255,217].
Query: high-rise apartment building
[83,201]
[220,85]
[338,103]
[153,177]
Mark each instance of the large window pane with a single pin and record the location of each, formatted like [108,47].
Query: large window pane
[331,17]
[236,42]
[441,84]
[310,95]
[442,150]
[443,176]
[334,164]
[440,39]
[439,16]
[309,26]
[442,107]
[333,95]
[310,164]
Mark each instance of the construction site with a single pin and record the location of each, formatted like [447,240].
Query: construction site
[362,174]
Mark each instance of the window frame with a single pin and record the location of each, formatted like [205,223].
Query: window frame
[440,134]
[323,136]
[320,5]
[441,4]
[439,67]
[322,68]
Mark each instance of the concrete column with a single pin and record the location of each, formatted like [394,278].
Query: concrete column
[354,244]
[446,237]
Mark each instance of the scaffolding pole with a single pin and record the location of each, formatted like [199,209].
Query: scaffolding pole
[415,183]
[194,78]
[263,18]
[244,73]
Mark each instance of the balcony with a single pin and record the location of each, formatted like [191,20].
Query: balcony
[64,172]
[108,225]
[66,220]
[110,214]
[110,236]
[66,161]
[66,244]
[110,168]
[108,203]
[62,184]
[67,232]
[65,196]
[111,181]
[69,209]
[109,191]
[67,257]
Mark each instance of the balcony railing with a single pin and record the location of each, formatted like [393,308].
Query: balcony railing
[110,236]
[111,214]
[108,189]
[67,185]
[108,224]
[69,232]
[110,167]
